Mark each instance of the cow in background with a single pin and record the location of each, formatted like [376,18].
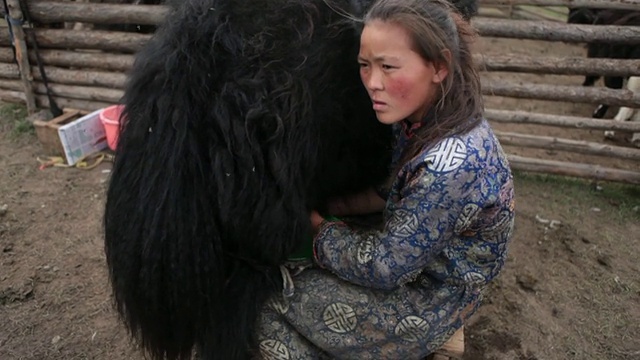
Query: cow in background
[627,113]
[590,16]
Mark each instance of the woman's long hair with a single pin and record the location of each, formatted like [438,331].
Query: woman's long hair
[436,28]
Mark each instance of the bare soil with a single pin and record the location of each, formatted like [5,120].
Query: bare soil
[570,288]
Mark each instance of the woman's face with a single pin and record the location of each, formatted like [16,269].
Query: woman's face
[401,84]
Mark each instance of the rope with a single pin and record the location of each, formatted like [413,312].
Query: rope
[84,163]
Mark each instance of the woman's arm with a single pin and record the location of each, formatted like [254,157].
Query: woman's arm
[416,228]
[432,210]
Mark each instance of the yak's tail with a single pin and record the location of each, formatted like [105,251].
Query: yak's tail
[200,211]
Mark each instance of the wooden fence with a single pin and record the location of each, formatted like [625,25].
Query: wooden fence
[536,24]
[87,69]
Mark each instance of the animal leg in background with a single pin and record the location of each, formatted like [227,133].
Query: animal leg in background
[604,50]
[627,113]
[611,82]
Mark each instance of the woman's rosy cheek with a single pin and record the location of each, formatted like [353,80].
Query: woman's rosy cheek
[398,88]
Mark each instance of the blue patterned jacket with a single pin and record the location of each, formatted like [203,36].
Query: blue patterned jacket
[448,219]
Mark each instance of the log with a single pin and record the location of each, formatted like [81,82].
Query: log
[490,62]
[94,39]
[81,77]
[575,146]
[43,102]
[137,15]
[551,31]
[9,71]
[19,40]
[594,172]
[70,91]
[69,77]
[6,55]
[13,96]
[557,65]
[13,85]
[523,117]
[579,94]
[537,14]
[598,4]
[78,59]
[112,96]
[87,105]
[492,13]
[96,13]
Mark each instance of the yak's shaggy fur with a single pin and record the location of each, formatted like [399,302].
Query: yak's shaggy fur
[241,116]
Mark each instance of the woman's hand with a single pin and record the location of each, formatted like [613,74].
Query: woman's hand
[366,202]
[316,220]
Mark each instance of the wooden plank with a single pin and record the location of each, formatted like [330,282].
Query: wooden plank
[574,146]
[542,13]
[580,94]
[9,71]
[12,96]
[87,105]
[552,31]
[557,65]
[70,91]
[13,85]
[95,39]
[599,4]
[89,59]
[105,79]
[96,13]
[524,117]
[593,172]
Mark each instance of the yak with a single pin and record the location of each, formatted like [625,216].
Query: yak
[240,117]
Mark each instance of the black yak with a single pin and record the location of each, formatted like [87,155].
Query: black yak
[241,116]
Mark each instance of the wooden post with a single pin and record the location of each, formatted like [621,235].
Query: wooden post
[15,19]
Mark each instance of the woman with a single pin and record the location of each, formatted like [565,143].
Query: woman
[399,292]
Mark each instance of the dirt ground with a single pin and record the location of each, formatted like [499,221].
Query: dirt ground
[570,288]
